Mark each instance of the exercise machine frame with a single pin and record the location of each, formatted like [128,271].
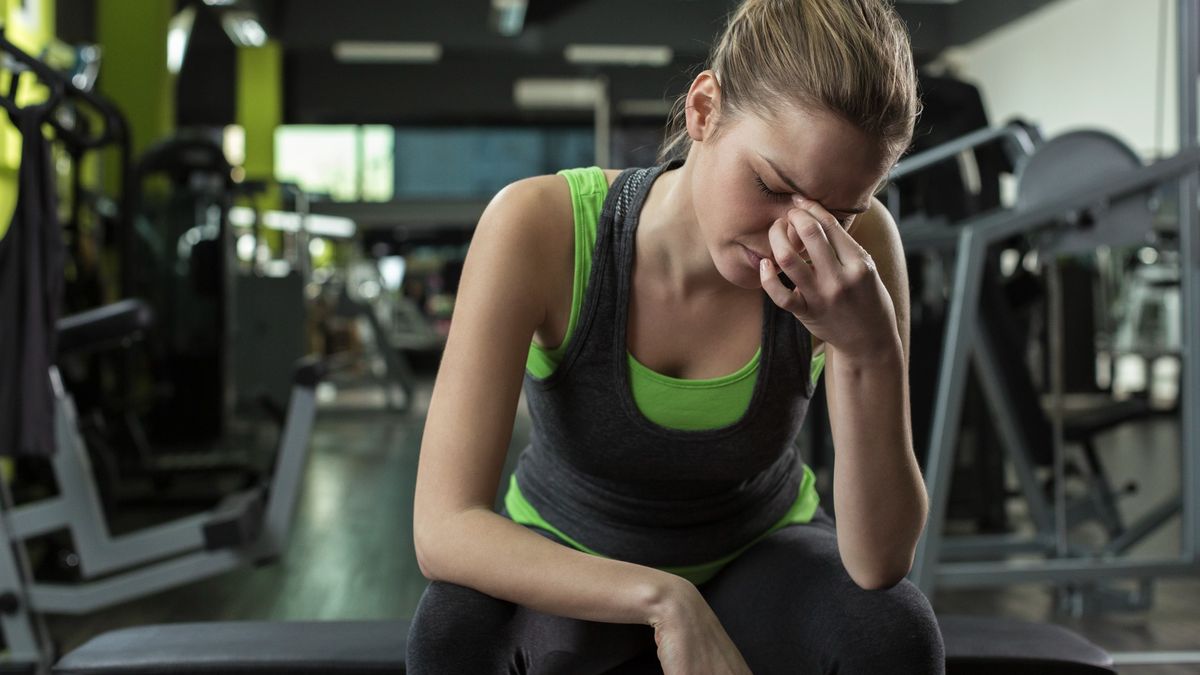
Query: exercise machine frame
[247,528]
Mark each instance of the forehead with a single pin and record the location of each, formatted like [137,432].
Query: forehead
[839,165]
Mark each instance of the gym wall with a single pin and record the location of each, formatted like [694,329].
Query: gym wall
[1106,64]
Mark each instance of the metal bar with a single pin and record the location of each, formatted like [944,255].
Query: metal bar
[602,121]
[1055,330]
[1018,133]
[1006,572]
[952,384]
[1144,526]
[1012,433]
[92,596]
[990,546]
[99,552]
[21,628]
[107,554]
[290,463]
[976,235]
[1189,248]
[38,518]
[998,226]
[1153,658]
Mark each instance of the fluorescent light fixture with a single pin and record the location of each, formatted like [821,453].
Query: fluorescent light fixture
[330,226]
[557,93]
[387,52]
[219,3]
[287,221]
[179,29]
[619,55]
[508,16]
[643,107]
[243,28]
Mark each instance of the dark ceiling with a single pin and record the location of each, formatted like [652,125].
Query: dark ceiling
[473,82]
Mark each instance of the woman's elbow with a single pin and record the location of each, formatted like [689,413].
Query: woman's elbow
[422,549]
[423,565]
[880,578]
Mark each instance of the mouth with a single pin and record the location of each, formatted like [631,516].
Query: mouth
[755,259]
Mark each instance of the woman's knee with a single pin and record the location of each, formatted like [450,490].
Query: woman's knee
[455,624]
[892,630]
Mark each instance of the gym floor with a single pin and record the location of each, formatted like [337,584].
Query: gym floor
[351,554]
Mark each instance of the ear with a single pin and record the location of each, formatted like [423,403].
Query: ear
[702,105]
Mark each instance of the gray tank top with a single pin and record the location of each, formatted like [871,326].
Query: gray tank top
[601,472]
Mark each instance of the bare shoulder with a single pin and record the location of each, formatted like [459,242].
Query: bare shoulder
[878,234]
[875,229]
[537,200]
[542,203]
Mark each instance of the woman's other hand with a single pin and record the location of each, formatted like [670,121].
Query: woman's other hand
[690,638]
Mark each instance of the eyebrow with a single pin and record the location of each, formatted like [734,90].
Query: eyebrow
[792,184]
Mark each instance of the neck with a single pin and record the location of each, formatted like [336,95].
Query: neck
[670,249]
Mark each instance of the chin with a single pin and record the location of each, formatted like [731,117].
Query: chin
[742,276]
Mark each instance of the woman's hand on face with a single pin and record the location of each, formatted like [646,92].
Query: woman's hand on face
[838,296]
[692,641]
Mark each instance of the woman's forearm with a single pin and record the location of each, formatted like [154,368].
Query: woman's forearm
[879,495]
[490,553]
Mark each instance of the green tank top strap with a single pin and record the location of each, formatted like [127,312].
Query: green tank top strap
[589,188]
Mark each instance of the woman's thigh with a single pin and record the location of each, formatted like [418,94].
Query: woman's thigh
[790,607]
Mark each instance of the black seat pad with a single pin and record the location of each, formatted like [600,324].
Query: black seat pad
[244,647]
[974,646]
[986,645]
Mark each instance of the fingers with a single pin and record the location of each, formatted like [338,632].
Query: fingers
[790,300]
[850,254]
[793,265]
[790,253]
[816,240]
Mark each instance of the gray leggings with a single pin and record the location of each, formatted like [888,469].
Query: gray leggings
[787,603]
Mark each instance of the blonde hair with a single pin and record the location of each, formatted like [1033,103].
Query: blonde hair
[847,57]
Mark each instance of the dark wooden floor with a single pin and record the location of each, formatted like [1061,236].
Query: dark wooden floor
[351,553]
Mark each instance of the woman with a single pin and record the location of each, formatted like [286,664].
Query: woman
[669,373]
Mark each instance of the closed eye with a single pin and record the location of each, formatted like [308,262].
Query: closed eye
[782,196]
[778,196]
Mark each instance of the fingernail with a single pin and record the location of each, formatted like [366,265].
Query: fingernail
[798,200]
[764,266]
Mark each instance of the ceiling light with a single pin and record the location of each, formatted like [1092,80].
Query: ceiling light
[387,52]
[288,221]
[557,93]
[243,28]
[643,107]
[619,55]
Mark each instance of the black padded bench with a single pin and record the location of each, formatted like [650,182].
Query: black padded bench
[974,646]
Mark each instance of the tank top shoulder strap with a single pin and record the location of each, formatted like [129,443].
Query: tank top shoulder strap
[589,187]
